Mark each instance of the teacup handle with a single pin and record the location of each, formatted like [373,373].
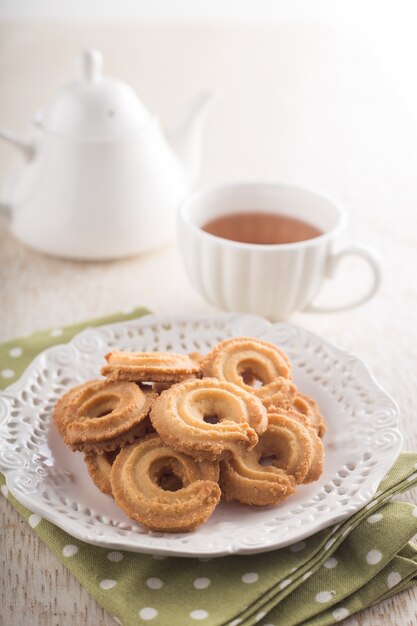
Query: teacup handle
[333,260]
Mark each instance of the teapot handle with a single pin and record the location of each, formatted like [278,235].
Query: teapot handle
[25,147]
[5,210]
[28,151]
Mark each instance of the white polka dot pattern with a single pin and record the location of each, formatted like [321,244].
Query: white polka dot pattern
[7,373]
[201,583]
[148,613]
[297,547]
[393,579]
[69,550]
[56,332]
[250,577]
[198,614]
[154,583]
[340,613]
[373,557]
[15,352]
[324,596]
[108,583]
[34,520]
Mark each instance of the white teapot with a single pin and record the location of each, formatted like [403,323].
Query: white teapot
[99,179]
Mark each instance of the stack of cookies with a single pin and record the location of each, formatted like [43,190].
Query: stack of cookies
[166,435]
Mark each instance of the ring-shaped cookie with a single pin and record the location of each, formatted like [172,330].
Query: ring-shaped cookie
[61,415]
[257,366]
[99,467]
[208,418]
[288,397]
[150,366]
[296,446]
[163,489]
[281,392]
[289,452]
[244,479]
[308,407]
[107,415]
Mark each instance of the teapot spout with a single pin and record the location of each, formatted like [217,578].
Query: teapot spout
[186,137]
[26,148]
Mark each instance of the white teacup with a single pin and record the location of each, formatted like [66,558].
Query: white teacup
[272,280]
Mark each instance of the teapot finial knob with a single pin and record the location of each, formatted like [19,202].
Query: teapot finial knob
[90,65]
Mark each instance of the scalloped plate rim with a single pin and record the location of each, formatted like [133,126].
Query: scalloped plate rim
[358,501]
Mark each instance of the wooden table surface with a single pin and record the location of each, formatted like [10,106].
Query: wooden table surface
[333,122]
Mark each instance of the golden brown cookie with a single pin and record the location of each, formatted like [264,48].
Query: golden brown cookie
[99,467]
[257,366]
[307,406]
[243,479]
[290,398]
[107,415]
[150,366]
[208,418]
[281,392]
[289,452]
[294,443]
[61,415]
[163,489]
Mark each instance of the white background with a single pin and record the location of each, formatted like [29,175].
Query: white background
[321,93]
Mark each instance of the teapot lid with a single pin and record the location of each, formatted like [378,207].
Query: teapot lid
[93,107]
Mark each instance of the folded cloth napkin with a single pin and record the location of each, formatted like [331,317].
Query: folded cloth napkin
[317,581]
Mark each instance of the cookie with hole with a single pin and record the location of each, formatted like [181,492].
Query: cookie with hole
[255,365]
[99,467]
[288,453]
[263,369]
[107,415]
[208,418]
[61,413]
[163,489]
[291,398]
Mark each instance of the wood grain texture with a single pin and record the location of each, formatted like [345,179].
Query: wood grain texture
[330,120]
[37,589]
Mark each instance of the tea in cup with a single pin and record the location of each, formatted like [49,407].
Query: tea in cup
[265,248]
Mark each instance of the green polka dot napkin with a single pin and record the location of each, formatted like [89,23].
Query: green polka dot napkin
[315,582]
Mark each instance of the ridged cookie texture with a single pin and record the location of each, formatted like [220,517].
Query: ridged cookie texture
[99,467]
[208,418]
[163,489]
[263,369]
[107,415]
[290,452]
[150,366]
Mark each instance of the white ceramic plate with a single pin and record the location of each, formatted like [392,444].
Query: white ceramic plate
[361,443]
